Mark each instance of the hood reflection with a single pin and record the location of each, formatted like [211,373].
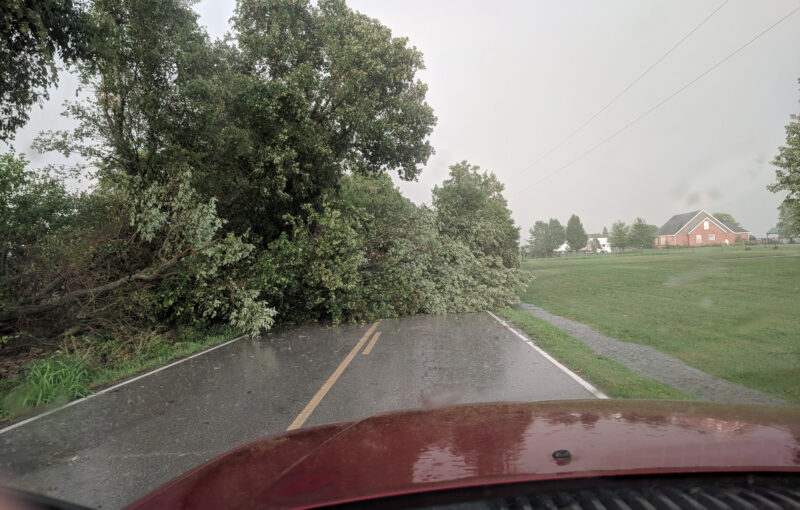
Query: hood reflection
[491,442]
[522,441]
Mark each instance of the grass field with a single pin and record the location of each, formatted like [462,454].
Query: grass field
[730,312]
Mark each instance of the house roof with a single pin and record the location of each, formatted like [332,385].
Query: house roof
[733,228]
[677,222]
[674,224]
[772,231]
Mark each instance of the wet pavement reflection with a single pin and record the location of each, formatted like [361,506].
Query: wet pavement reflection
[111,449]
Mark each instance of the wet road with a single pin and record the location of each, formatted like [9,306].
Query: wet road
[109,450]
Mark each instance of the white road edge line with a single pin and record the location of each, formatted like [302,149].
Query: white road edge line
[116,386]
[594,391]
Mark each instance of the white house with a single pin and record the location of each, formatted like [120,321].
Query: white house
[605,246]
[564,248]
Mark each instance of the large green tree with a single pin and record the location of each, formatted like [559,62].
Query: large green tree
[640,234]
[269,124]
[787,162]
[619,238]
[33,33]
[471,208]
[727,218]
[787,178]
[33,205]
[559,234]
[545,237]
[320,91]
[789,219]
[155,107]
[575,234]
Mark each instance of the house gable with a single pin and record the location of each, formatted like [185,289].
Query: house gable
[696,222]
[689,229]
[685,223]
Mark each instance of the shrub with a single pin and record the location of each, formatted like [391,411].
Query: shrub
[312,271]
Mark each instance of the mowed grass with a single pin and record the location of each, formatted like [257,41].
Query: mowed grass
[609,376]
[730,312]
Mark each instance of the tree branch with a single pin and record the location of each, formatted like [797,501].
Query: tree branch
[14,313]
[47,289]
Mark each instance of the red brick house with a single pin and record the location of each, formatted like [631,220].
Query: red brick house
[697,228]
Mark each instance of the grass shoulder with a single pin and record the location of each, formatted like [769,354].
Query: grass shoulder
[77,371]
[611,377]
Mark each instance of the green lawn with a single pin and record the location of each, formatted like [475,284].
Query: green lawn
[730,312]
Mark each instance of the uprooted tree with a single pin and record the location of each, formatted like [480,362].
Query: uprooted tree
[243,183]
[111,261]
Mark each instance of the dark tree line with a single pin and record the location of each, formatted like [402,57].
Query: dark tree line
[546,237]
[637,235]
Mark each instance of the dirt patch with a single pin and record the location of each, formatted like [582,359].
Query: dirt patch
[12,359]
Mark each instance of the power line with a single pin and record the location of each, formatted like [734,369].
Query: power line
[622,92]
[662,102]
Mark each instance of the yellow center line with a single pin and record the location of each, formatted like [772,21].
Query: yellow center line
[305,413]
[371,343]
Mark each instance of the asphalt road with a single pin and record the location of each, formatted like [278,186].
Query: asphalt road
[107,451]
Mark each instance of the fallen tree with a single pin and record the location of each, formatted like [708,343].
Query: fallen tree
[129,245]
[14,313]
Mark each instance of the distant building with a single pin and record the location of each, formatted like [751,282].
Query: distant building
[605,246]
[697,228]
[773,236]
[564,248]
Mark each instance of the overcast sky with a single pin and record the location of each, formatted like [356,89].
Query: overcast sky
[509,81]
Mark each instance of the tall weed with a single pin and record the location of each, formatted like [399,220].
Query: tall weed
[45,381]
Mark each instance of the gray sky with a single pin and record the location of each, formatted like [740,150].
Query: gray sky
[508,81]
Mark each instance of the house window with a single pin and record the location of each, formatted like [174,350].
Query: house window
[698,239]
[712,237]
[663,239]
[705,225]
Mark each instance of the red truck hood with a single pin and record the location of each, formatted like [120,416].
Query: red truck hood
[414,451]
